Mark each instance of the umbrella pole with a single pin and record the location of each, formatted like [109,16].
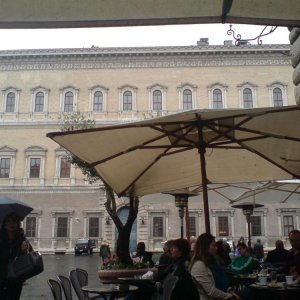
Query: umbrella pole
[201,150]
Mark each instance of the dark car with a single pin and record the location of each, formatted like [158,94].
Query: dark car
[84,245]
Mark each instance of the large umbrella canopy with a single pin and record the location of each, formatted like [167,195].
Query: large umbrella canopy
[272,192]
[91,13]
[9,206]
[192,148]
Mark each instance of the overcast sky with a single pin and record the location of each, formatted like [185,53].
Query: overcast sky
[171,35]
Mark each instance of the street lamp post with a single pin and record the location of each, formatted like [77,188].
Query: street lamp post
[248,208]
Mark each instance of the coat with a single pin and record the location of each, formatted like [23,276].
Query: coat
[9,250]
[206,283]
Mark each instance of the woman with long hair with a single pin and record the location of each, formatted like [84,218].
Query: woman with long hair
[212,282]
[12,244]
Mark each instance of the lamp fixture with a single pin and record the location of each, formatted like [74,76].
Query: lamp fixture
[107,220]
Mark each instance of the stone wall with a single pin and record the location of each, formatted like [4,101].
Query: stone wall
[295,51]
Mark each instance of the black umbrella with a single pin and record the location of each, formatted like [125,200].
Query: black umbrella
[9,206]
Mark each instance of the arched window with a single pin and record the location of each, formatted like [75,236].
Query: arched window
[10,102]
[98,101]
[187,100]
[217,99]
[127,101]
[39,102]
[247,98]
[157,100]
[277,97]
[68,104]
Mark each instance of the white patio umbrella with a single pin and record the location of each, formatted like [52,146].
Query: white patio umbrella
[196,147]
[272,192]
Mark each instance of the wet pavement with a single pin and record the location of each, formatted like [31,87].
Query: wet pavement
[37,287]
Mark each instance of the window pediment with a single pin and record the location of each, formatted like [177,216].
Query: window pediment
[157,86]
[7,149]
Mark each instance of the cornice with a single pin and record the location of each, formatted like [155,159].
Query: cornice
[143,57]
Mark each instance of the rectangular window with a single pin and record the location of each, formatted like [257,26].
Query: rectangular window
[158,227]
[288,225]
[256,225]
[35,164]
[93,227]
[193,227]
[4,167]
[31,227]
[62,227]
[65,168]
[223,226]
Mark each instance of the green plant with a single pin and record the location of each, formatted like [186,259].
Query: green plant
[117,264]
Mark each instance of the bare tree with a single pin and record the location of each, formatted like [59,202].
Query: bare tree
[77,121]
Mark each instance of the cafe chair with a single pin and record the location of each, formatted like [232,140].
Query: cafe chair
[83,277]
[55,289]
[66,286]
[76,285]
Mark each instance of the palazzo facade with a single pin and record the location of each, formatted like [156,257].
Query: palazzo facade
[117,85]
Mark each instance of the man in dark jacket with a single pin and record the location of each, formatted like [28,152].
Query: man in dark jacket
[278,256]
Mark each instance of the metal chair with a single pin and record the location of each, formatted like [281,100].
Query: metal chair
[55,289]
[66,286]
[83,277]
[76,285]
[79,278]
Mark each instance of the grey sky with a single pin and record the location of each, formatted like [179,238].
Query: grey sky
[171,35]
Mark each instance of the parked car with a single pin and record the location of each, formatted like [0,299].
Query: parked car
[84,245]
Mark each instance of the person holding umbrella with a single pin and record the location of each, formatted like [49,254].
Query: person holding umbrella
[12,244]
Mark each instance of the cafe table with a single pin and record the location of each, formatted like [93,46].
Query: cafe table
[110,291]
[280,291]
[146,285]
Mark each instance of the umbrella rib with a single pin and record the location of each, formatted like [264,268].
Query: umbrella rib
[140,146]
[241,140]
[258,153]
[266,134]
[228,129]
[148,167]
[189,127]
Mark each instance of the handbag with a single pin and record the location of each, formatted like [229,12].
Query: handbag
[25,266]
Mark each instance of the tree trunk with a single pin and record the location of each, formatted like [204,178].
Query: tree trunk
[124,230]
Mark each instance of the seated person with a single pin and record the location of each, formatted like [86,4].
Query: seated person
[144,256]
[222,257]
[293,261]
[185,287]
[165,259]
[277,257]
[243,264]
[212,282]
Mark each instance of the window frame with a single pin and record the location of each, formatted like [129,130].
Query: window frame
[34,92]
[92,91]
[59,216]
[35,227]
[283,87]
[253,226]
[5,94]
[223,89]
[181,89]
[35,152]
[57,179]
[63,92]
[9,153]
[163,90]
[161,215]
[5,168]
[247,85]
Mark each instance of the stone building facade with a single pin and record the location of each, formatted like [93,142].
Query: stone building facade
[115,85]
